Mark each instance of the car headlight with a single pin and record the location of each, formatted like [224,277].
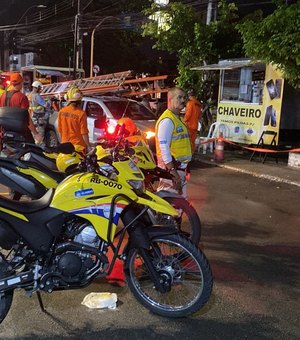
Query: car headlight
[137,185]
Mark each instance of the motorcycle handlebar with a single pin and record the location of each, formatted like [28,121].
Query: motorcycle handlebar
[65,148]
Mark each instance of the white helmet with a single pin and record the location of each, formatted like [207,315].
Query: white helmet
[37,84]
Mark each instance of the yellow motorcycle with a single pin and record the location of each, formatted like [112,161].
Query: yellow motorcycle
[60,242]
[33,172]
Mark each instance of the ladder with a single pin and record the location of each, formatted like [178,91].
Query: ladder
[105,81]
[122,82]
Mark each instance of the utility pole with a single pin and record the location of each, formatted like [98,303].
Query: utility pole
[209,11]
[77,56]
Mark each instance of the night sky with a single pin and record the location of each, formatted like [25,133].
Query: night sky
[34,31]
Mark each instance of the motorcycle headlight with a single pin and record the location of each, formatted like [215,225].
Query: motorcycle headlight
[150,134]
[26,156]
[137,185]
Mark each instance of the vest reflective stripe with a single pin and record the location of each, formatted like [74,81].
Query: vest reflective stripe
[34,106]
[180,143]
[180,137]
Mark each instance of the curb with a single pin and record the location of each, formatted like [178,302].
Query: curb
[251,173]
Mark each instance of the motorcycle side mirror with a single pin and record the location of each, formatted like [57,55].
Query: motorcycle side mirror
[122,129]
[129,151]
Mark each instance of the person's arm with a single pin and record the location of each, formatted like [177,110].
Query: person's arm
[41,101]
[164,135]
[188,112]
[86,140]
[33,129]
[84,130]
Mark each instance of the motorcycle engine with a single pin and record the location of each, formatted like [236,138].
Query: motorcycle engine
[88,236]
[73,263]
[79,255]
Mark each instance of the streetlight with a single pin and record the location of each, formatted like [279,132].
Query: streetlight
[92,41]
[27,10]
[162,2]
[14,28]
[161,17]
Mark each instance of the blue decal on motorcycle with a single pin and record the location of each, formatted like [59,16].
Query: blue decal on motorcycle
[102,210]
[84,192]
[179,128]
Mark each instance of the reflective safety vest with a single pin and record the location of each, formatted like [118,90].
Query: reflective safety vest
[34,106]
[180,146]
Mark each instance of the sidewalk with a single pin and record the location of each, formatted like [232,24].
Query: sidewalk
[239,160]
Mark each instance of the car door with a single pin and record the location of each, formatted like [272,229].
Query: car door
[96,119]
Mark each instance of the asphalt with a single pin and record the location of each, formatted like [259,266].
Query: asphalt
[239,160]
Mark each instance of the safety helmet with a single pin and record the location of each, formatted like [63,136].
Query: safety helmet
[130,126]
[16,79]
[74,94]
[37,84]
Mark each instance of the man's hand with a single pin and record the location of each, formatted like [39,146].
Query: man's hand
[176,181]
[38,138]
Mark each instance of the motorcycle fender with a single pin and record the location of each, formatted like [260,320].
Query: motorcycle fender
[142,237]
[158,204]
[157,230]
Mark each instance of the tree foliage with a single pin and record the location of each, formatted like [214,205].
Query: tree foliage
[275,39]
[195,43]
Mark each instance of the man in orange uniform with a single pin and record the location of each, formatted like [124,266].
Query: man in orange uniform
[192,116]
[72,122]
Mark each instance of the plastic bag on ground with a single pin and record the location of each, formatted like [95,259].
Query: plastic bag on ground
[100,300]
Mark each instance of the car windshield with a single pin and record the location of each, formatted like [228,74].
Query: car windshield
[129,109]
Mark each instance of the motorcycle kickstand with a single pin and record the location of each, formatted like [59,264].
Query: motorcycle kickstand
[41,301]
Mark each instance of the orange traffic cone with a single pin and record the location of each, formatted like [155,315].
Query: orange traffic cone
[219,149]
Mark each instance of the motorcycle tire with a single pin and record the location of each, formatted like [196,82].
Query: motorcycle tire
[7,296]
[188,222]
[182,267]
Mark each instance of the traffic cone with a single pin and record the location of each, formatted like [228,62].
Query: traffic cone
[219,149]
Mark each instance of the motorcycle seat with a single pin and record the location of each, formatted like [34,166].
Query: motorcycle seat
[26,207]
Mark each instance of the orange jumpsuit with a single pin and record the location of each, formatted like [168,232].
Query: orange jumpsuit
[72,124]
[191,117]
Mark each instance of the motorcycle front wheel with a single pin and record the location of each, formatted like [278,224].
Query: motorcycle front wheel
[182,268]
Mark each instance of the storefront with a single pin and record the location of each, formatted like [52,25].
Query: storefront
[251,101]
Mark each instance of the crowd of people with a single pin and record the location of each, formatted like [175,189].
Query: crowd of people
[175,130]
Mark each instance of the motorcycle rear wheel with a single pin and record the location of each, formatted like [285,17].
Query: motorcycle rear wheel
[7,296]
[188,221]
[182,267]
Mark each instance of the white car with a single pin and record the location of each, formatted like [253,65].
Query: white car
[104,112]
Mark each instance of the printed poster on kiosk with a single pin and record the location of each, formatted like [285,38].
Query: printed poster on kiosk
[254,107]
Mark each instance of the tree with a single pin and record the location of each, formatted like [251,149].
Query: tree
[184,33]
[275,39]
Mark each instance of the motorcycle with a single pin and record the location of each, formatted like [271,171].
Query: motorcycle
[39,172]
[60,242]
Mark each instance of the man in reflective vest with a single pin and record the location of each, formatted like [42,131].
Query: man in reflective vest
[38,108]
[173,144]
